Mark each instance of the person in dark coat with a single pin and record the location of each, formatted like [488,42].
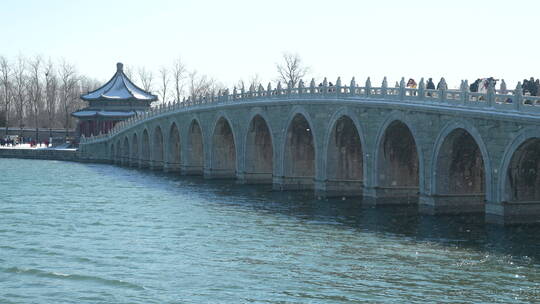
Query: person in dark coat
[533,89]
[525,86]
[474,86]
[430,85]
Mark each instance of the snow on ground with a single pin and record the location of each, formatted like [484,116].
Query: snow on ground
[39,147]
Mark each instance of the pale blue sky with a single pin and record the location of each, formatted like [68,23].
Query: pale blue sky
[235,39]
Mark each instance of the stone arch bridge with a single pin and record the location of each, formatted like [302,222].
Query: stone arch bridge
[449,151]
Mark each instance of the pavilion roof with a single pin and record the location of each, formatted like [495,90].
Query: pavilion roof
[119,88]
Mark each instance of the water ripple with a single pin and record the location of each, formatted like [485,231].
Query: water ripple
[91,233]
[72,277]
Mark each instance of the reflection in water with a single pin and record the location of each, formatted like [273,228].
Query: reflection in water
[467,230]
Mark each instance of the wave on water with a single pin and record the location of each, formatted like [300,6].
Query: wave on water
[72,277]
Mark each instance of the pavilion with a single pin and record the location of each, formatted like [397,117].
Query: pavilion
[117,100]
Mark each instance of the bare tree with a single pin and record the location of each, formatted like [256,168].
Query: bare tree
[291,69]
[179,72]
[47,99]
[20,90]
[6,88]
[68,84]
[3,118]
[201,85]
[51,87]
[35,91]
[254,81]
[164,77]
[128,71]
[146,77]
[215,86]
[88,84]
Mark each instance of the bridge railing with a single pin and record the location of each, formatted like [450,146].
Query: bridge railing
[492,100]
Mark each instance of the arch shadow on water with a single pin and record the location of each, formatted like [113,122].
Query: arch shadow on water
[464,231]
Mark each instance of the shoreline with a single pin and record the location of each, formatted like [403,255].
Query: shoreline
[41,153]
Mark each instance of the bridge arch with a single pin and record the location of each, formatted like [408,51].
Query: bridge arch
[425,125]
[194,162]
[461,167]
[145,149]
[344,164]
[519,175]
[398,159]
[134,150]
[299,164]
[125,152]
[157,148]
[174,152]
[223,150]
[258,150]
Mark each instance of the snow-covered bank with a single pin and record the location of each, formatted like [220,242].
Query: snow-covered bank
[63,147]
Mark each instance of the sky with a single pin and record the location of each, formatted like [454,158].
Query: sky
[237,39]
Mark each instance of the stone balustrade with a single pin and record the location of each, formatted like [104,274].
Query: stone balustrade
[492,100]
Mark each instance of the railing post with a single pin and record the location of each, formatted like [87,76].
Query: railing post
[402,89]
[384,87]
[352,90]
[491,94]
[442,89]
[518,96]
[260,91]
[226,96]
[269,90]
[368,87]
[312,88]
[289,87]
[421,89]
[465,92]
[251,91]
[338,86]
[502,88]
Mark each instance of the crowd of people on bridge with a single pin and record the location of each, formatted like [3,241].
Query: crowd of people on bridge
[531,87]
[481,85]
[430,85]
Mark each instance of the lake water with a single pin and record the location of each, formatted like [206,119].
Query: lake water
[88,233]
